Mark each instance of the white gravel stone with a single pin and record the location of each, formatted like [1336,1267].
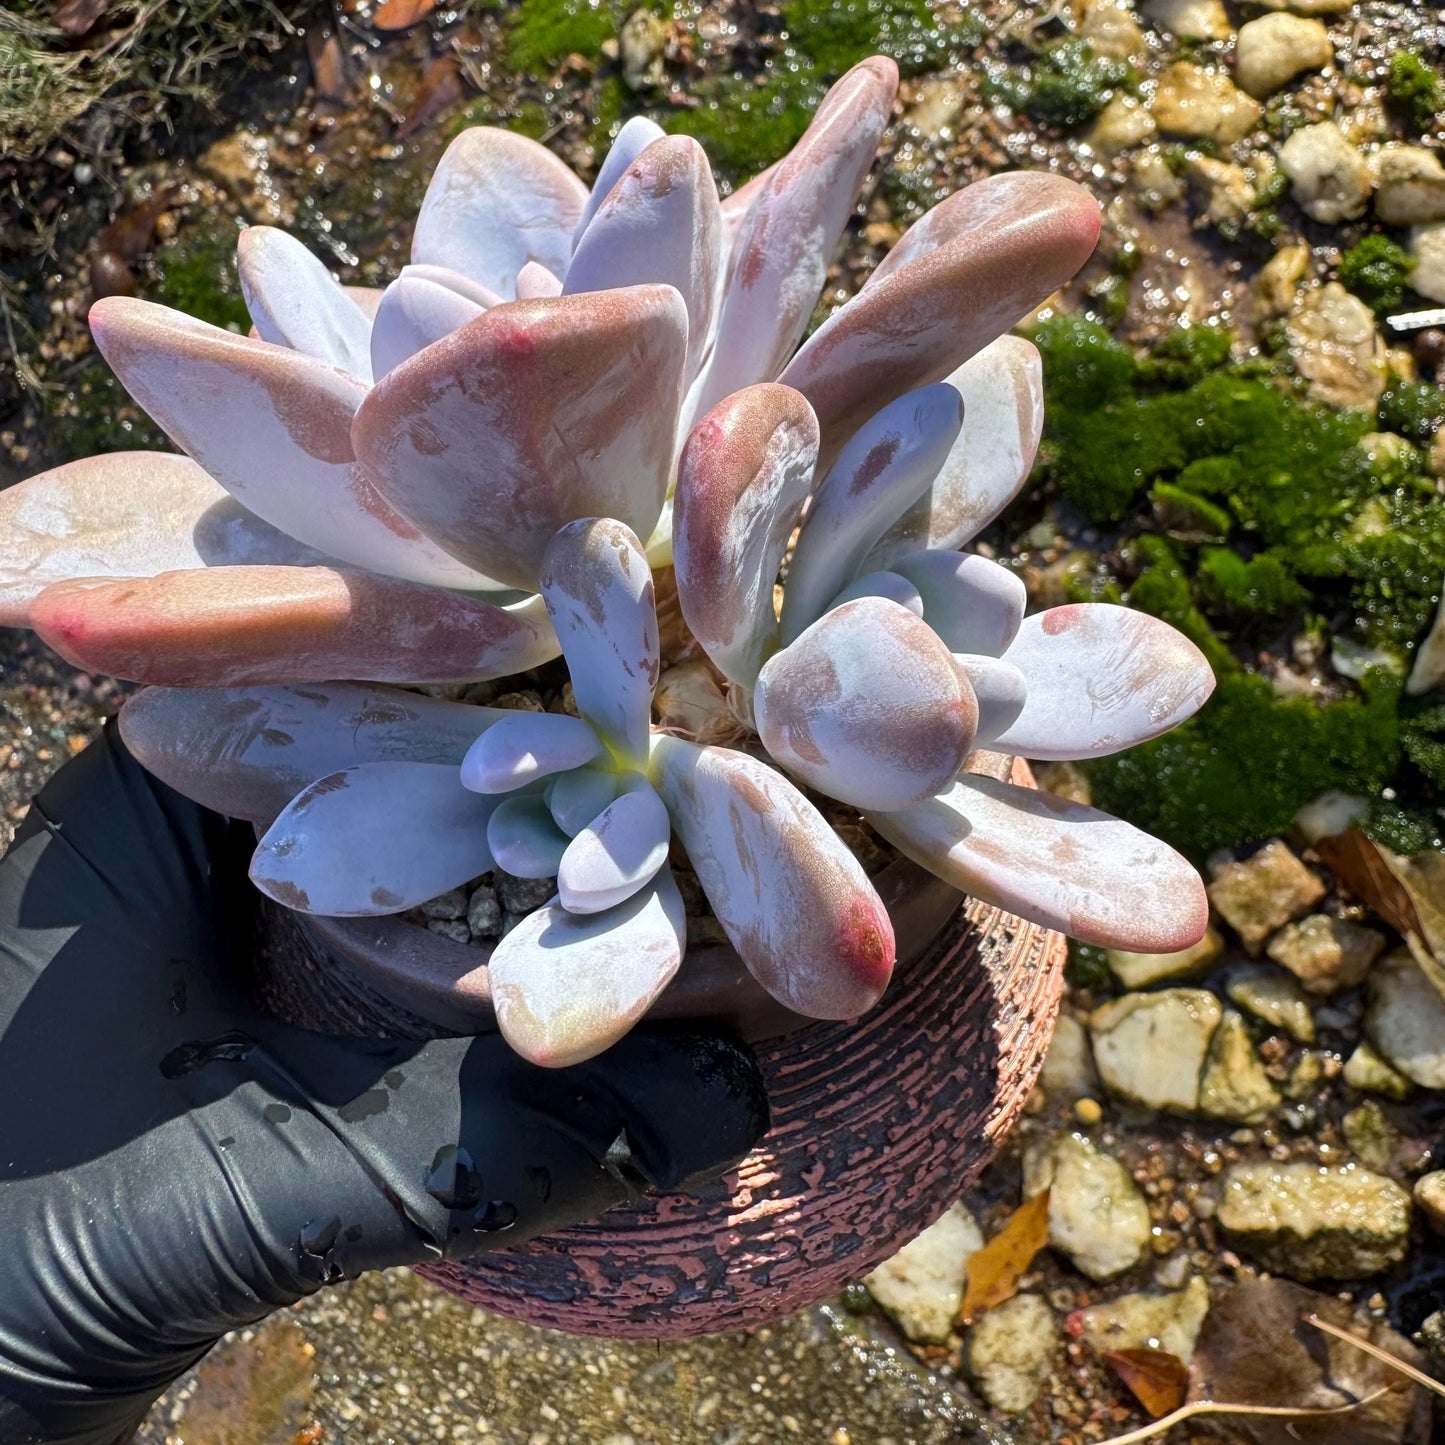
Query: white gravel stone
[1097,1216]
[1325,953]
[1149,1321]
[1190,19]
[1123,123]
[1329,814]
[1140,970]
[922,1285]
[1368,1072]
[1427,246]
[1429,1194]
[1150,1048]
[1272,50]
[1010,1351]
[1234,1084]
[1409,185]
[1068,1071]
[1273,996]
[1406,1020]
[1331,179]
[1337,348]
[1193,101]
[1255,895]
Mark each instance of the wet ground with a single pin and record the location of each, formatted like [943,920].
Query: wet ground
[332,136]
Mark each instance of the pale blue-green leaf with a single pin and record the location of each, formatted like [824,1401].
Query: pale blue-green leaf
[377,838]
[882,584]
[973,604]
[999,689]
[524,746]
[524,840]
[634,138]
[414,312]
[576,798]
[616,854]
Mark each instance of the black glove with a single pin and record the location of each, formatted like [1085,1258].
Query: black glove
[174,1164]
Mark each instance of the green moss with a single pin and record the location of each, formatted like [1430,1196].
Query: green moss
[1243,767]
[1260,588]
[1177,509]
[1086,966]
[1189,353]
[835,34]
[745,128]
[196,273]
[1414,89]
[1403,830]
[1377,271]
[543,33]
[1066,85]
[1414,409]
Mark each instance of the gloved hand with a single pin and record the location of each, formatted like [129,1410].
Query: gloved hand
[173,1164]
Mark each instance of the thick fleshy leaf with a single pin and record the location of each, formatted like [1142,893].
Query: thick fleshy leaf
[867,706]
[793,899]
[737,205]
[1003,417]
[566,986]
[616,854]
[496,201]
[973,604]
[598,590]
[247,751]
[1000,690]
[535,280]
[878,475]
[232,626]
[743,477]
[660,223]
[882,584]
[1101,678]
[524,840]
[576,798]
[634,138]
[378,838]
[1058,863]
[535,414]
[273,428]
[525,746]
[981,260]
[451,280]
[415,311]
[781,255]
[125,514]
[295,301]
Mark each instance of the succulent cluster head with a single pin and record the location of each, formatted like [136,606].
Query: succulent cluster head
[461,476]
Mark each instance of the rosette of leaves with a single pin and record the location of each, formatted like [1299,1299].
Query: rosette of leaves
[892,654]
[370,479]
[593,801]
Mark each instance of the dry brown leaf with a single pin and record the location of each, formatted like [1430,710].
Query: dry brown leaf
[78,17]
[329,70]
[400,14]
[995,1270]
[1408,893]
[441,86]
[1159,1380]
[254,1392]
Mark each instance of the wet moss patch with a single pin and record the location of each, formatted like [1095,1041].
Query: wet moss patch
[1248,516]
[197,273]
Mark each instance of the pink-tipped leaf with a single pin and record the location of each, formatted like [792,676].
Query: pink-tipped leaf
[982,260]
[531,416]
[780,258]
[1057,863]
[236,626]
[125,514]
[867,707]
[743,477]
[1101,678]
[634,138]
[566,986]
[791,896]
[272,426]
[662,223]
[374,839]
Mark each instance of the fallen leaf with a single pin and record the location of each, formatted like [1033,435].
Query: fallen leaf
[130,235]
[1384,1356]
[254,1392]
[400,14]
[440,87]
[78,17]
[328,62]
[1158,1379]
[995,1270]
[1408,893]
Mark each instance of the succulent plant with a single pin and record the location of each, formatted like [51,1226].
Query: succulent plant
[456,478]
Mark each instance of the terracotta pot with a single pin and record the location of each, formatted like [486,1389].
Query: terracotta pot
[878,1124]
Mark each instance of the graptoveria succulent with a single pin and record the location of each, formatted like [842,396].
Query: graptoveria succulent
[889,661]
[456,478]
[593,800]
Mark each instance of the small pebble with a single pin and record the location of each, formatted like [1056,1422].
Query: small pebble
[1088,1112]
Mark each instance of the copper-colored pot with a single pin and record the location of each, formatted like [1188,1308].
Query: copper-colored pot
[878,1124]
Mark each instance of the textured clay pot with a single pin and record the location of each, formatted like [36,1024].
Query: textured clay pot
[878,1124]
